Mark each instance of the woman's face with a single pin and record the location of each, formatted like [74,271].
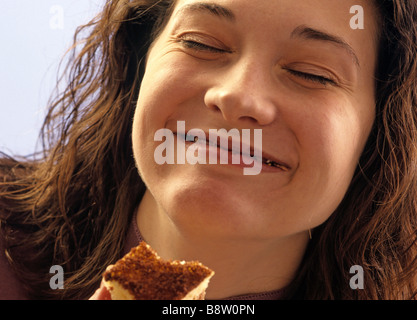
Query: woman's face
[294,69]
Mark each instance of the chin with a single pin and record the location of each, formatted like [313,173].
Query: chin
[205,213]
[206,216]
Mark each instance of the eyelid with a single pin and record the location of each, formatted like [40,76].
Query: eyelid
[312,76]
[203,42]
[200,46]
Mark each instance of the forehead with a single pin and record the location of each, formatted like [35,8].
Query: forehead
[335,12]
[278,18]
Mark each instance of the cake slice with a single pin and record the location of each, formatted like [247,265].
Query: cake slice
[143,275]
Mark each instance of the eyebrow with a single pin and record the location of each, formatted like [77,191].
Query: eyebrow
[314,34]
[211,8]
[301,31]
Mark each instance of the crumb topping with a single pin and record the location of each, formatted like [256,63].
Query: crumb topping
[147,277]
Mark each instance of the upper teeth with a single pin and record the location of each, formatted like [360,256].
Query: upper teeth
[274,164]
[268,162]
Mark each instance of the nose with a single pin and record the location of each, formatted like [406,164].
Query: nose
[242,92]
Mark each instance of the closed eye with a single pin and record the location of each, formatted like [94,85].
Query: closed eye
[312,77]
[191,44]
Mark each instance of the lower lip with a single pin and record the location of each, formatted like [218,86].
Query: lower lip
[214,153]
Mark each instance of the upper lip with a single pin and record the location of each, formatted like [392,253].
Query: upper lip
[265,155]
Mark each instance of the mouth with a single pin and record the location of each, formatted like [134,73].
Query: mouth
[267,160]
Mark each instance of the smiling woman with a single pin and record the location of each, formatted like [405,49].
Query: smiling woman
[336,105]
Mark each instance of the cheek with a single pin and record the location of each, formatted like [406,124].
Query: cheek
[335,141]
[166,87]
[332,132]
[331,141]
[162,96]
[159,95]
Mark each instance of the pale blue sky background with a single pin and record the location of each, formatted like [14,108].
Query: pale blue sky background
[34,34]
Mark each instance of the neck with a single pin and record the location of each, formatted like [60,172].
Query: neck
[241,266]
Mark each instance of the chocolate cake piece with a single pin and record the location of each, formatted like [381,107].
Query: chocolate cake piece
[143,275]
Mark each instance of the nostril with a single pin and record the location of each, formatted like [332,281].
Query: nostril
[235,103]
[218,111]
[215,108]
[248,119]
[232,116]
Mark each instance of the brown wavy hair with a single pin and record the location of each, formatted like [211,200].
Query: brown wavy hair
[72,204]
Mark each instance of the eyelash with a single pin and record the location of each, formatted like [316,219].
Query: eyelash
[307,76]
[201,46]
[311,77]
